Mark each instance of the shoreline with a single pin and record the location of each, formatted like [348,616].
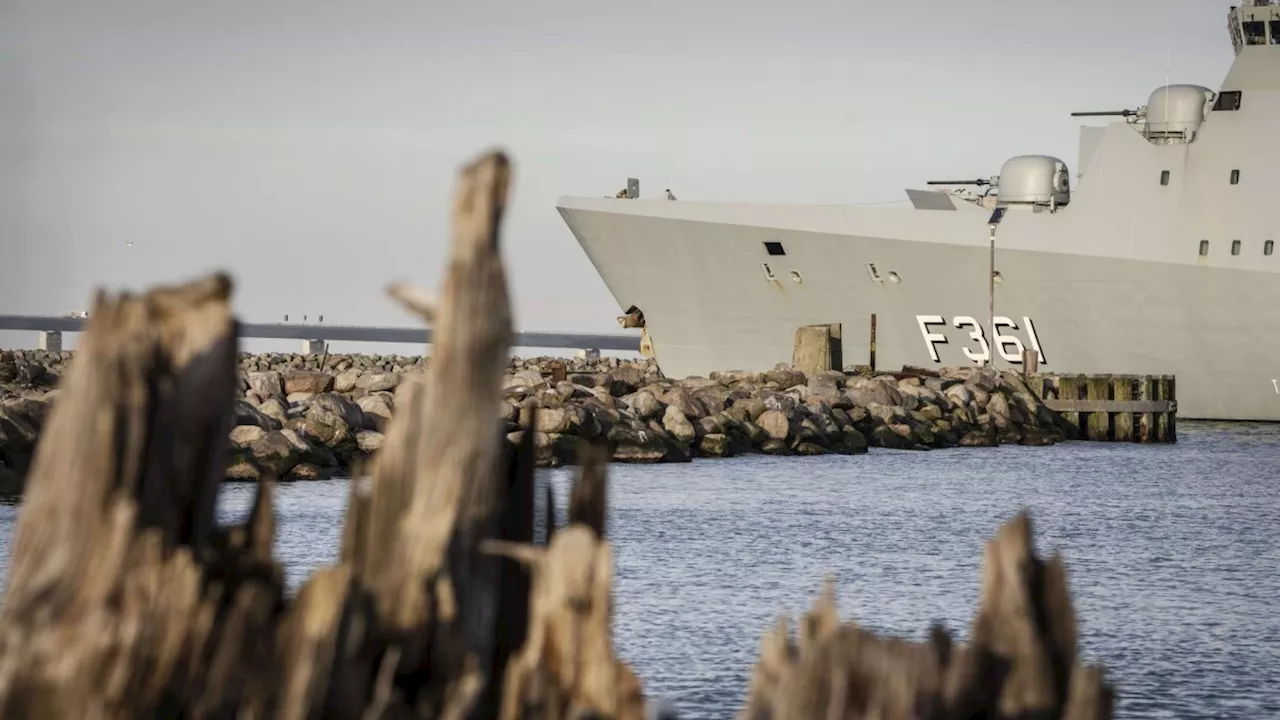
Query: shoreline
[301,417]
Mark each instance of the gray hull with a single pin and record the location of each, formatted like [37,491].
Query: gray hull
[1161,260]
[709,306]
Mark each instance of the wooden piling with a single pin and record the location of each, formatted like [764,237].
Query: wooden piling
[1099,423]
[1146,420]
[1071,387]
[1123,408]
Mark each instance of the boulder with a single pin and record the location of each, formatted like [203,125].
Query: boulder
[377,409]
[369,441]
[303,472]
[784,376]
[378,382]
[775,423]
[267,384]
[274,453]
[637,446]
[246,414]
[715,445]
[246,435]
[678,425]
[242,471]
[276,410]
[312,382]
[646,406]
[346,381]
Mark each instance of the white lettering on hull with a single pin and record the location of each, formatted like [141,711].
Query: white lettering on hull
[1009,345]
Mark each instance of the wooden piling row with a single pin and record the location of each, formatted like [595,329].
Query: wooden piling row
[1112,408]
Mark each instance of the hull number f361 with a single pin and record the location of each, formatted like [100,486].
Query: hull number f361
[977,349]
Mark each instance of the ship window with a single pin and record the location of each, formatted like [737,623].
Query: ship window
[1235,177]
[1268,247]
[1255,32]
[1164,177]
[1227,100]
[774,248]
[1204,247]
[1235,247]
[1275,32]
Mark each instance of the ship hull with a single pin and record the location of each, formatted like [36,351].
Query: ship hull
[709,303]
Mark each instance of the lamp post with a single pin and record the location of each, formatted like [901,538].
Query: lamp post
[996,216]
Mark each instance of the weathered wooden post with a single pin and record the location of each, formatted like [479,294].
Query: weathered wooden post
[1030,363]
[558,374]
[1099,422]
[1122,390]
[1069,388]
[1146,420]
[1172,434]
[873,342]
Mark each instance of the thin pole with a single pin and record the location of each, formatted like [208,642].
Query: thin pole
[991,301]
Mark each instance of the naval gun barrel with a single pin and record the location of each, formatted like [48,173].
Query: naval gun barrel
[979,181]
[1095,113]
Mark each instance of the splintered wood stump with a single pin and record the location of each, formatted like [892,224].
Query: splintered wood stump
[126,600]
[1020,662]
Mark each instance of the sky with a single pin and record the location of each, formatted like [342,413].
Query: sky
[310,148]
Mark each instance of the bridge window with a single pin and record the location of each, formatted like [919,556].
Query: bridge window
[1235,177]
[1268,247]
[1164,177]
[1227,100]
[774,248]
[1204,247]
[1255,32]
[1275,32]
[1235,247]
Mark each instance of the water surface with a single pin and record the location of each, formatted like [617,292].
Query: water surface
[1170,550]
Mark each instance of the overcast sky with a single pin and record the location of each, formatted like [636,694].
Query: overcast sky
[310,147]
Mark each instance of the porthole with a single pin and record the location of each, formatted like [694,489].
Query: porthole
[997,277]
[894,277]
[795,277]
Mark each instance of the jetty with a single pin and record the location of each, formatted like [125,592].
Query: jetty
[126,599]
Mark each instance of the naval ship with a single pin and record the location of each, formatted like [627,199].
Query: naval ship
[1160,260]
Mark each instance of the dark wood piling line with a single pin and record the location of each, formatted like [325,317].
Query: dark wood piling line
[1112,408]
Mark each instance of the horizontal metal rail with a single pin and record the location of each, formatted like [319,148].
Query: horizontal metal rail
[353,333]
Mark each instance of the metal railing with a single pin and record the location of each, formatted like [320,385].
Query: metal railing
[314,337]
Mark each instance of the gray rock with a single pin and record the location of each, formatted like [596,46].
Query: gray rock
[346,381]
[312,382]
[275,454]
[246,435]
[305,472]
[775,423]
[646,406]
[677,423]
[377,410]
[267,384]
[715,445]
[369,441]
[378,382]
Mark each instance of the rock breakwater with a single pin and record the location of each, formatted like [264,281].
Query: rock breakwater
[304,417]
